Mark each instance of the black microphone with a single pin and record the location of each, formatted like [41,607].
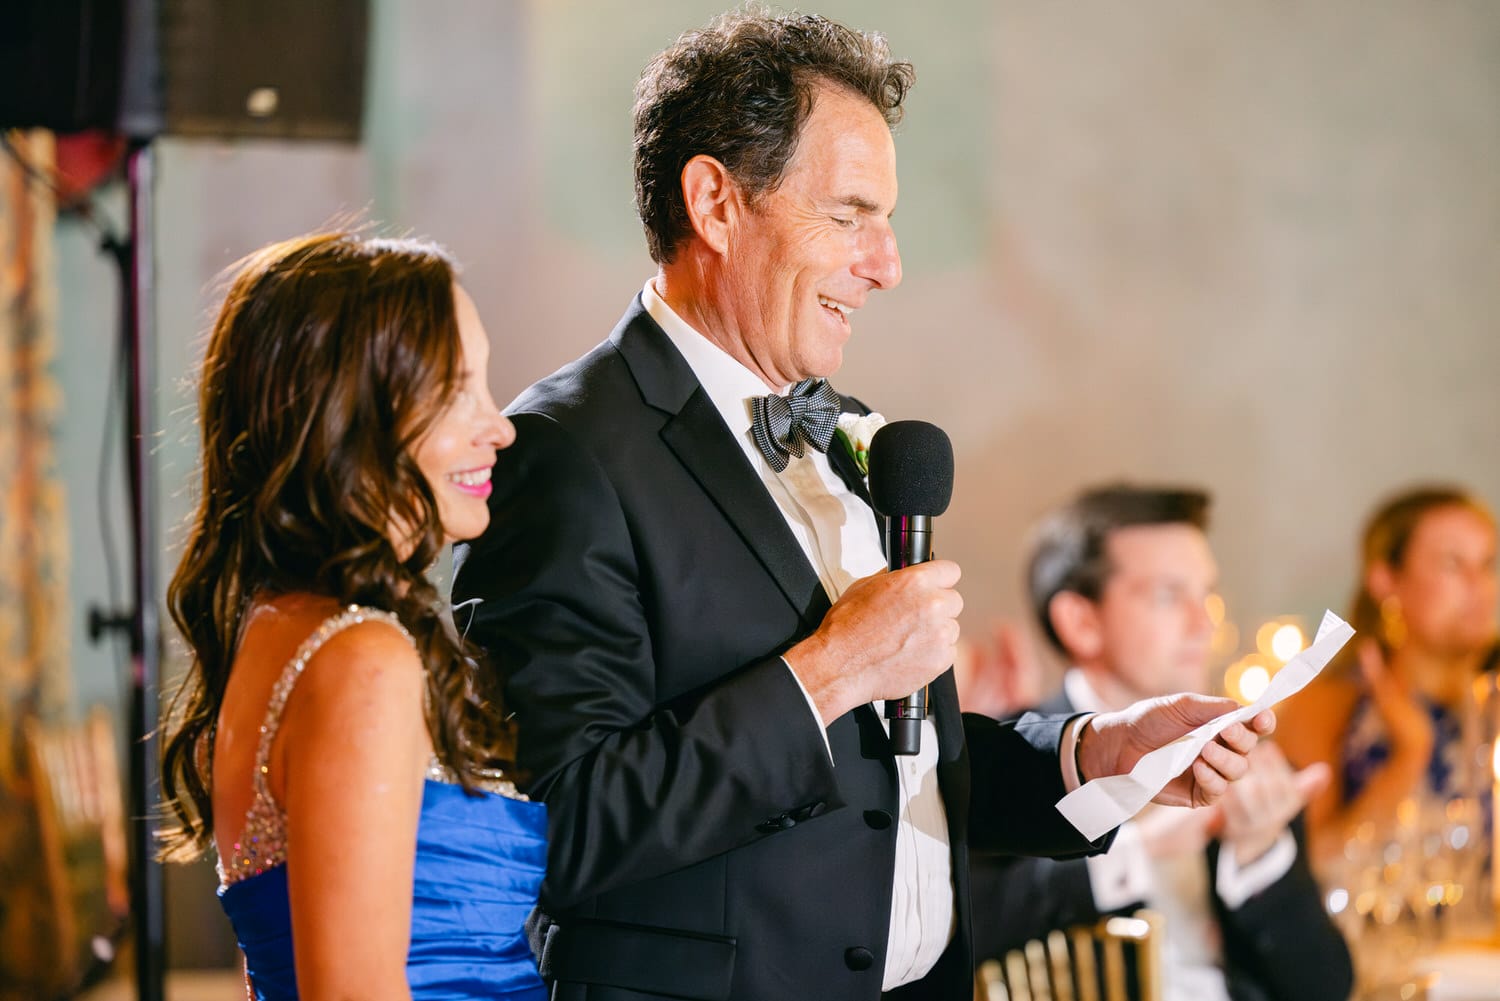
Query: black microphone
[911,482]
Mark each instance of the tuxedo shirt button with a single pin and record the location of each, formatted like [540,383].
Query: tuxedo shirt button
[858,958]
[877,820]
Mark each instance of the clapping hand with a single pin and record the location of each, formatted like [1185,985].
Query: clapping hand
[1258,807]
[999,678]
[1405,719]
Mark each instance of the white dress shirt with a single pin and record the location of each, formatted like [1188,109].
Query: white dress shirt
[1177,888]
[837,533]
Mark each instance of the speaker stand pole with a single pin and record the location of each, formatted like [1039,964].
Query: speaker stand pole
[146,890]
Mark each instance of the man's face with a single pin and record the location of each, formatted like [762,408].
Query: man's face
[1154,629]
[809,253]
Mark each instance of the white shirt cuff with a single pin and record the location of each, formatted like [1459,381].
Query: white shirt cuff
[1121,876]
[1067,752]
[1236,884]
[812,707]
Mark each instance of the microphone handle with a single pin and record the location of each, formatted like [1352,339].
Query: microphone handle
[908,541]
[906,716]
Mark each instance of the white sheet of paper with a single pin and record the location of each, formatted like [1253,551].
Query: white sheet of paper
[1104,803]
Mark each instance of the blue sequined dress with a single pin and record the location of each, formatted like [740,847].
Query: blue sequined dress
[479,866]
[1367,748]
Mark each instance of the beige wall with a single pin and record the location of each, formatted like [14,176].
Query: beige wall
[1255,246]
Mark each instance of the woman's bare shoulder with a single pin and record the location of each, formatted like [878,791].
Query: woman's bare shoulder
[362,659]
[371,655]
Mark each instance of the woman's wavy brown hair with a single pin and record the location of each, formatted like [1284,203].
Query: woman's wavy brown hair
[331,357]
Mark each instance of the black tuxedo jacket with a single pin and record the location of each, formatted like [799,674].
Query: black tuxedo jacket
[1278,946]
[638,586]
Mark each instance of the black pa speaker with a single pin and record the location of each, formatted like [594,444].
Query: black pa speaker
[290,69]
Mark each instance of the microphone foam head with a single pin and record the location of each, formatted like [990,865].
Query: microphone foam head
[911,469]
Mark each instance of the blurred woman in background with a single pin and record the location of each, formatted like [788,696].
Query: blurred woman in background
[331,739]
[1394,714]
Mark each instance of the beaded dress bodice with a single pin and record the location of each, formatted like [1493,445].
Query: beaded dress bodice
[479,863]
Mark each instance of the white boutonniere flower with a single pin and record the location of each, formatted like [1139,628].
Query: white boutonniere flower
[856,431]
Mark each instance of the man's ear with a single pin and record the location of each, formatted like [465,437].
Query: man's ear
[713,200]
[1075,619]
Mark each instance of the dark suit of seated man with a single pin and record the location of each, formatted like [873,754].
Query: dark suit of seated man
[1120,581]
[688,604]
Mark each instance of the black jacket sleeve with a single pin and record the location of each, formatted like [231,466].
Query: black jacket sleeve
[1280,944]
[1017,780]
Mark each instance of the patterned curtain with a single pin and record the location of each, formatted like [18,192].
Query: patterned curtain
[34,661]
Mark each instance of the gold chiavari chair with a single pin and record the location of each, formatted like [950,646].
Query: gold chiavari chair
[1085,963]
[81,816]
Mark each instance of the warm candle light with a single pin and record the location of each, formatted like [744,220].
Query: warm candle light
[1253,682]
[1287,642]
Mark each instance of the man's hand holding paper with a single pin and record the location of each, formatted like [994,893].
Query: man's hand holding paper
[1114,743]
[1182,750]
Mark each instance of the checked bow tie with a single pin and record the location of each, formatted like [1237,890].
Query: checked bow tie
[807,415]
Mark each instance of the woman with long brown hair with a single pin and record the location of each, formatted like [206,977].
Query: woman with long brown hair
[332,740]
[1389,714]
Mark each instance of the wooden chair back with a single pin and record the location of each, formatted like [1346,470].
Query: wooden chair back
[81,817]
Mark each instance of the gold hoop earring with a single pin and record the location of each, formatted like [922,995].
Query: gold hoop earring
[1392,622]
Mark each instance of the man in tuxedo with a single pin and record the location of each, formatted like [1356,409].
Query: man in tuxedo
[1120,582]
[682,586]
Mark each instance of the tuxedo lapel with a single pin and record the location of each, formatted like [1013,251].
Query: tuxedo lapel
[701,441]
[942,699]
[696,434]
